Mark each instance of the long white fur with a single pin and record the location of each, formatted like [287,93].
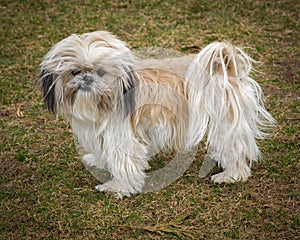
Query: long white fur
[217,100]
[227,108]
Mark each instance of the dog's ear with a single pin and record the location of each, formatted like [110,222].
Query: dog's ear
[46,82]
[128,83]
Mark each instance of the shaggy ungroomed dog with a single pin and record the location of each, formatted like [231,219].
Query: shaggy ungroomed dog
[123,109]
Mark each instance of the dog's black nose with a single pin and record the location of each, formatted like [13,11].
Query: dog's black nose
[87,79]
[86,83]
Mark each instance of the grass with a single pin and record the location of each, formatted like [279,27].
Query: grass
[46,193]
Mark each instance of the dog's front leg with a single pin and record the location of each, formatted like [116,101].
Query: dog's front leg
[127,170]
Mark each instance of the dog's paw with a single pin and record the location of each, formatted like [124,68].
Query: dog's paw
[113,187]
[229,177]
[223,177]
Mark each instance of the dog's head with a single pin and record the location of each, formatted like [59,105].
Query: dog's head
[88,75]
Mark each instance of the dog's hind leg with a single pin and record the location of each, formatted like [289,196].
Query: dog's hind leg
[226,105]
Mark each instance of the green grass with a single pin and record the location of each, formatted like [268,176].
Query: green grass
[45,191]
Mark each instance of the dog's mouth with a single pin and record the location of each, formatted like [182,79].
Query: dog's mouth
[88,94]
[84,88]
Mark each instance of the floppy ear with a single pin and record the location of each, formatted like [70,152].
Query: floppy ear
[47,82]
[128,91]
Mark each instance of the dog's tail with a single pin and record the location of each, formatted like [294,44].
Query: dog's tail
[225,104]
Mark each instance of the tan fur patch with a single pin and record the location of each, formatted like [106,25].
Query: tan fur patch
[160,97]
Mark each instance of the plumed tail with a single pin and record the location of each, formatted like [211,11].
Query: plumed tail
[225,103]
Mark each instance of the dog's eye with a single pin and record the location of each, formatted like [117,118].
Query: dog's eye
[75,72]
[100,73]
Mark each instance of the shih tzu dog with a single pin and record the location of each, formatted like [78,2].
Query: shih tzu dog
[123,109]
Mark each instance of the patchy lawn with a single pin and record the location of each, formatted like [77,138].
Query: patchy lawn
[46,193]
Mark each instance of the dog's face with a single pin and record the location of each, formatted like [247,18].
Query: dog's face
[88,75]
